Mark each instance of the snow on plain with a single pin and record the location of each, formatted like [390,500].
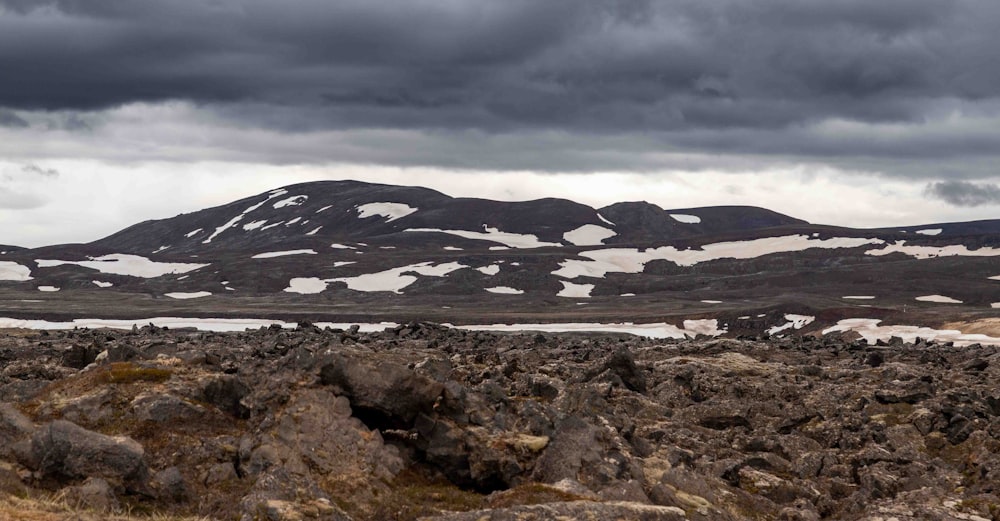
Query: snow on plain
[188,296]
[930,252]
[295,200]
[512,240]
[391,211]
[14,272]
[273,254]
[859,297]
[123,264]
[396,279]
[930,231]
[505,290]
[235,220]
[794,322]
[492,269]
[711,302]
[872,331]
[306,285]
[202,324]
[101,284]
[588,235]
[571,290]
[691,328]
[685,218]
[453,248]
[940,299]
[631,260]
[48,289]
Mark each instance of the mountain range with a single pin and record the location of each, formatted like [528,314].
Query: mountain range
[360,251]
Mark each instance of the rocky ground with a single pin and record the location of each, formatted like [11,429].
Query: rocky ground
[424,422]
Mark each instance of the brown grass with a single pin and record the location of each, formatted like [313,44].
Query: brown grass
[55,509]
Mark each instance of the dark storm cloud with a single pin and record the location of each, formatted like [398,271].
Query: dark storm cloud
[962,193]
[747,78]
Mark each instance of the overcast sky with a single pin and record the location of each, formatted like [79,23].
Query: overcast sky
[852,112]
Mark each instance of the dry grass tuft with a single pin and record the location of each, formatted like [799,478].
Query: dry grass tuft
[55,509]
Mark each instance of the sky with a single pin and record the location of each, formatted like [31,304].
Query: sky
[847,112]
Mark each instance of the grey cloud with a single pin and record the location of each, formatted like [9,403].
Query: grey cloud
[40,171]
[11,120]
[963,193]
[742,79]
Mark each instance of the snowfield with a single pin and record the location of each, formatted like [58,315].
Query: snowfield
[511,240]
[235,220]
[690,329]
[273,254]
[631,260]
[492,269]
[505,290]
[685,218]
[123,264]
[941,299]
[396,279]
[391,211]
[930,252]
[306,285]
[794,322]
[871,330]
[588,235]
[571,290]
[14,272]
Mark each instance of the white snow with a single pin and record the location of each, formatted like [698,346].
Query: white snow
[588,235]
[685,218]
[512,240]
[187,296]
[995,305]
[929,252]
[161,248]
[794,322]
[498,248]
[325,208]
[343,263]
[273,254]
[505,290]
[492,269]
[102,284]
[391,211]
[123,264]
[396,279]
[314,232]
[711,302]
[631,260]
[232,222]
[571,290]
[295,200]
[941,299]
[871,330]
[203,324]
[342,247]
[293,221]
[995,277]
[268,227]
[453,248]
[254,225]
[48,289]
[930,231]
[14,271]
[604,220]
[859,297]
[627,295]
[387,247]
[655,330]
[192,233]
[306,285]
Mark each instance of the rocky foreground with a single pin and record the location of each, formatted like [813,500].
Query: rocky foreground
[424,422]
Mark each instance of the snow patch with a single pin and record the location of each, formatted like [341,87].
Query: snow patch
[930,231]
[342,247]
[293,221]
[871,330]
[631,260]
[504,290]
[268,227]
[453,248]
[859,297]
[273,254]
[188,296]
[711,302]
[48,289]
[295,200]
[123,264]
[254,225]
[685,218]
[512,240]
[930,252]
[940,299]
[627,295]
[604,220]
[396,279]
[794,322]
[571,290]
[161,248]
[102,284]
[588,235]
[14,271]
[306,285]
[192,233]
[235,220]
[391,211]
[314,232]
[492,269]
[325,208]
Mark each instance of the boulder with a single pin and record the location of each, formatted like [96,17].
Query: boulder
[14,427]
[387,389]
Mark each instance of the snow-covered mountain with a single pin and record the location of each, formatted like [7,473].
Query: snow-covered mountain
[357,248]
